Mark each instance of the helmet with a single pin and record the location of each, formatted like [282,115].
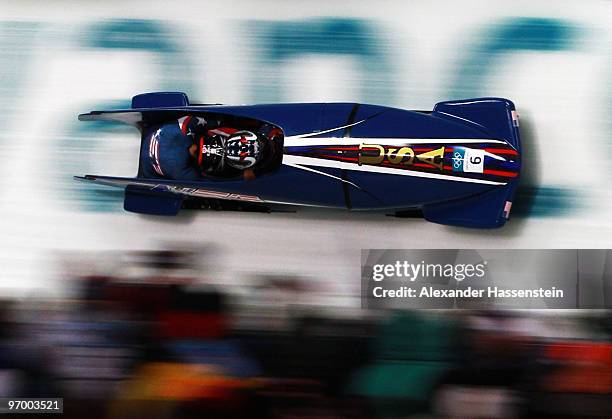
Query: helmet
[243,149]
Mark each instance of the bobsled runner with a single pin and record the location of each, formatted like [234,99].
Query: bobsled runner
[458,164]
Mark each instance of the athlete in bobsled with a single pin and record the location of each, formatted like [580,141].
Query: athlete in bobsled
[192,147]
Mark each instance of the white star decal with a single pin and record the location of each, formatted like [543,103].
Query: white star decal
[201,121]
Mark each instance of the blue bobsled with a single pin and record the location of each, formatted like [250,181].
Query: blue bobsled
[458,164]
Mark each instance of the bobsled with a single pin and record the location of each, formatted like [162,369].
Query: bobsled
[458,164]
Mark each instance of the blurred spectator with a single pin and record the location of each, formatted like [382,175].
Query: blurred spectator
[412,353]
[147,338]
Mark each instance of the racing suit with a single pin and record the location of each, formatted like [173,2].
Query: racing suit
[165,149]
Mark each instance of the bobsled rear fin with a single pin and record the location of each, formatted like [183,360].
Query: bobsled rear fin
[488,210]
[119,182]
[129,117]
[497,116]
[145,103]
[160,100]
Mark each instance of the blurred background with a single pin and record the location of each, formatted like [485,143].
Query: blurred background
[259,314]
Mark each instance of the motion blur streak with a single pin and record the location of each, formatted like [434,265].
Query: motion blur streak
[64,57]
[55,65]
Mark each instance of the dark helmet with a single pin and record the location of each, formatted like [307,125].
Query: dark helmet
[243,149]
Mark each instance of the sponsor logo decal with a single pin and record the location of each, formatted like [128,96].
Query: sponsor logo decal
[205,193]
[378,155]
[468,160]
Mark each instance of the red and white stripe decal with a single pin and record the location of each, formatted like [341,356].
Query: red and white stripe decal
[507,208]
[154,152]
[291,160]
[295,140]
[515,118]
[200,150]
[184,123]
[224,131]
[340,163]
